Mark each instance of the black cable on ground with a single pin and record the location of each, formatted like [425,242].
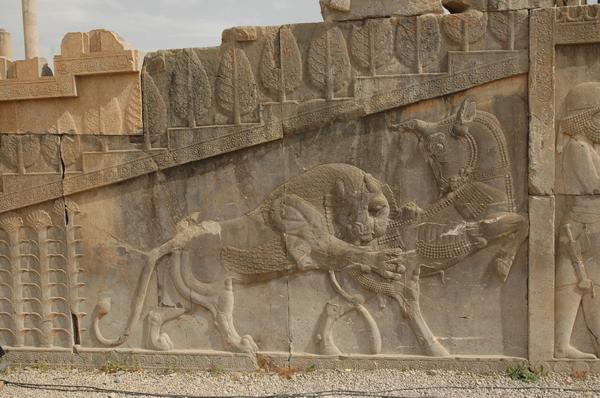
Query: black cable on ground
[378,394]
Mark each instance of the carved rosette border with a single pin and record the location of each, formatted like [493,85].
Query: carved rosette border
[549,28]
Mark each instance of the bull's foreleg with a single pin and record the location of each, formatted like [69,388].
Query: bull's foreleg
[511,230]
[411,309]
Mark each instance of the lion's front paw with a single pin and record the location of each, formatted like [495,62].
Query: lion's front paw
[387,263]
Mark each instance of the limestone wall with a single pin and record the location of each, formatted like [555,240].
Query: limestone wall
[416,189]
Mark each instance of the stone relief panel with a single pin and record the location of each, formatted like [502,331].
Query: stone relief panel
[324,242]
[353,187]
[563,178]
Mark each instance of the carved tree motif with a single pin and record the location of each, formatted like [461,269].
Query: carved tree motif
[466,28]
[286,77]
[12,224]
[91,121]
[111,117]
[508,27]
[236,86]
[20,152]
[371,45]
[66,123]
[49,150]
[131,122]
[418,41]
[70,150]
[155,110]
[73,257]
[190,90]
[41,222]
[328,63]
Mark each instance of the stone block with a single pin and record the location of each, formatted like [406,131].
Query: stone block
[348,10]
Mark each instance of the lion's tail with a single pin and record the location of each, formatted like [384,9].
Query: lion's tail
[103,306]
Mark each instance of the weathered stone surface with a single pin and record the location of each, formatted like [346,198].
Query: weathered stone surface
[348,10]
[542,214]
[356,192]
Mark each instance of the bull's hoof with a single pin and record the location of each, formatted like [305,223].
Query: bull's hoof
[436,350]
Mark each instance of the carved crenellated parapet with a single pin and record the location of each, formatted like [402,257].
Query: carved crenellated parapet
[98,68]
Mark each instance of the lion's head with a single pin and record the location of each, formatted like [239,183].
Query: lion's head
[359,211]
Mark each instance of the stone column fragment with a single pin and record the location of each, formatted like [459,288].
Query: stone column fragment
[30,28]
[5,44]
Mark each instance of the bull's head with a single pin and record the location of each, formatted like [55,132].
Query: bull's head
[436,138]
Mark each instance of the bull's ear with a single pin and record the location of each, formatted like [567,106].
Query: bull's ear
[467,111]
[340,189]
[372,184]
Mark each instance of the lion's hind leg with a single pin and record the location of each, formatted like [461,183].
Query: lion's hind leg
[225,325]
[215,297]
[155,339]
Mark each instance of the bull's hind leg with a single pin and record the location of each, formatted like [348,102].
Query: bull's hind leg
[411,308]
[511,230]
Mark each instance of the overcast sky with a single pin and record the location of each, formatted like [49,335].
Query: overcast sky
[152,24]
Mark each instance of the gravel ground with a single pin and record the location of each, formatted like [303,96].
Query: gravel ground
[379,383]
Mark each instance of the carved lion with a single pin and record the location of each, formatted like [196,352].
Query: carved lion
[328,219]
